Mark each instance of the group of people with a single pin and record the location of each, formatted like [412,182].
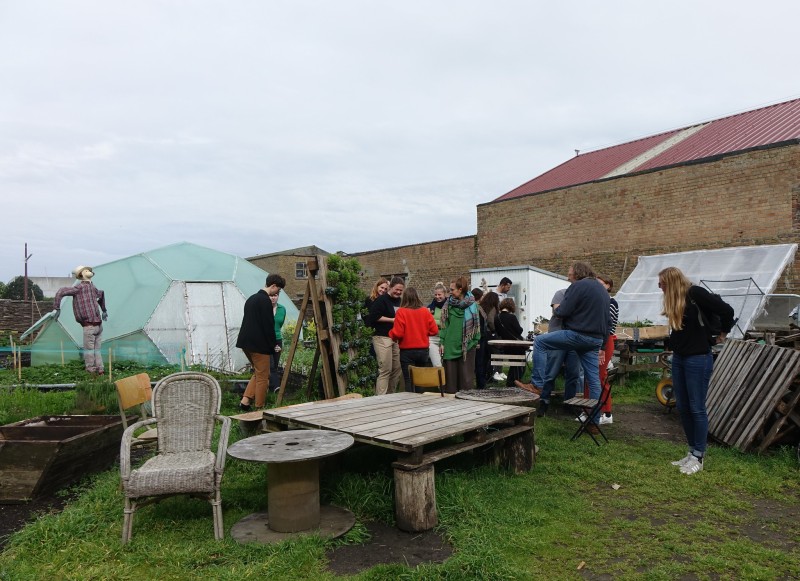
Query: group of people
[585,318]
[453,331]
[450,332]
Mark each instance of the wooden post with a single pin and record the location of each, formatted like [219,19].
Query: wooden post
[415,499]
[110,371]
[333,338]
[519,453]
[293,347]
[312,375]
[19,363]
[323,334]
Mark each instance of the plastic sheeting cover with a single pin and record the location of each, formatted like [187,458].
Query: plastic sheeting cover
[741,275]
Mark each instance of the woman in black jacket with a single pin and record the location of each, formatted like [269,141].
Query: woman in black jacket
[508,328]
[690,310]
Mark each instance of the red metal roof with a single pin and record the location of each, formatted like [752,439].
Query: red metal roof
[759,127]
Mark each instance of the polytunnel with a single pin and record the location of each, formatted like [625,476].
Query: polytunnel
[179,302]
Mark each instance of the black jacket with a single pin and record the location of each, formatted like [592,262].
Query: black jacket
[693,339]
[257,334]
[384,306]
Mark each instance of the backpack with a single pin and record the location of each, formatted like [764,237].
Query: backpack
[711,322]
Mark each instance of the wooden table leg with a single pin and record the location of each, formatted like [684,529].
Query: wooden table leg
[415,499]
[293,496]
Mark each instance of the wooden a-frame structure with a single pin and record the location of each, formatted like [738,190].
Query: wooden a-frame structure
[328,342]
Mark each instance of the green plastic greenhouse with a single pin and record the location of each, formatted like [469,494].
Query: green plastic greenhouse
[179,303]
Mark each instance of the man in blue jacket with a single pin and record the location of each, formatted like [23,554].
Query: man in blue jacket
[584,313]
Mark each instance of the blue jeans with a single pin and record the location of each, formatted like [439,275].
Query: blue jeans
[572,371]
[556,345]
[572,375]
[539,364]
[690,377]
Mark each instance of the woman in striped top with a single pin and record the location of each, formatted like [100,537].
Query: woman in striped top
[607,352]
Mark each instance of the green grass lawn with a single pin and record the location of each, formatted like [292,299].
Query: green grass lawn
[616,511]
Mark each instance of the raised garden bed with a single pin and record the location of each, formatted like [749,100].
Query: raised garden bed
[43,454]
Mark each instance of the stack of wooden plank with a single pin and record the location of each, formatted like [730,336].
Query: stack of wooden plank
[754,396]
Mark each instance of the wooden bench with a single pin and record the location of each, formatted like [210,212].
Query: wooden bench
[499,358]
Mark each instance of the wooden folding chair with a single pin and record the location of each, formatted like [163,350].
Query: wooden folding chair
[136,391]
[427,378]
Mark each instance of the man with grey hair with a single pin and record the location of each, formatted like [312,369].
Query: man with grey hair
[584,313]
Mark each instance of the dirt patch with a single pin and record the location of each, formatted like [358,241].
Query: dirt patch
[651,420]
[15,516]
[388,544]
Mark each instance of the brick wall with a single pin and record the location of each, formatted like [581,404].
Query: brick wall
[737,200]
[423,265]
[285,266]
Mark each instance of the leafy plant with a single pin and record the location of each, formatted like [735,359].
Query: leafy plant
[355,363]
[16,290]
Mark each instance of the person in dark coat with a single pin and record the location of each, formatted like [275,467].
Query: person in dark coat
[257,340]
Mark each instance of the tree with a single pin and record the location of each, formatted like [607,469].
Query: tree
[16,290]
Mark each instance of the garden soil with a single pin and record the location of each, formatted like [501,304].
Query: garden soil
[387,544]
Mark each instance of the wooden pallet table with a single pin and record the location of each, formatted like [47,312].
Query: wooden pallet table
[421,430]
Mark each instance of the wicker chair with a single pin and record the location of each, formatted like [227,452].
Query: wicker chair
[185,406]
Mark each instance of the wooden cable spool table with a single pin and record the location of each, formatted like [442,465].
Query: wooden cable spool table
[293,506]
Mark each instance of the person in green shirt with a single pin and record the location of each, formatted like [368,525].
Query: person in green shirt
[279,313]
[459,336]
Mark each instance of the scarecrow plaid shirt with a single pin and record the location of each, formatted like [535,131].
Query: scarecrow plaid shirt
[85,298]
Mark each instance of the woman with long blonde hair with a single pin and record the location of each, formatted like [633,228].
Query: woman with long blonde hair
[688,309]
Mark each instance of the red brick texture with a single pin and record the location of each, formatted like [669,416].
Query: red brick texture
[423,265]
[738,200]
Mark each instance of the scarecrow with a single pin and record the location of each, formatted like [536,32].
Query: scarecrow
[87,303]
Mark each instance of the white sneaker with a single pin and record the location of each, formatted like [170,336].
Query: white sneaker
[683,460]
[692,466]
[504,376]
[583,418]
[498,377]
[606,419]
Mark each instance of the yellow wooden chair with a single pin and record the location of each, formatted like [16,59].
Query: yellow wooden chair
[427,378]
[136,391]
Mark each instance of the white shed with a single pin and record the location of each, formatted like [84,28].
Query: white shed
[531,288]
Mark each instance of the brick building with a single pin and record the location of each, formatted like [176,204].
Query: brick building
[421,265]
[291,265]
[734,181]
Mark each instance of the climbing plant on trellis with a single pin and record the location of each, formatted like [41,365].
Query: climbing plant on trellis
[356,367]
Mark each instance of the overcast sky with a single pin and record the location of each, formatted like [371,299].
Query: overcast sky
[254,126]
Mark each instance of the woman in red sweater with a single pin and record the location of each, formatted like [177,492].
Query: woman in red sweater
[413,327]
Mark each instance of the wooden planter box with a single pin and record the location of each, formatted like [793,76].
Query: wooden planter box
[41,455]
